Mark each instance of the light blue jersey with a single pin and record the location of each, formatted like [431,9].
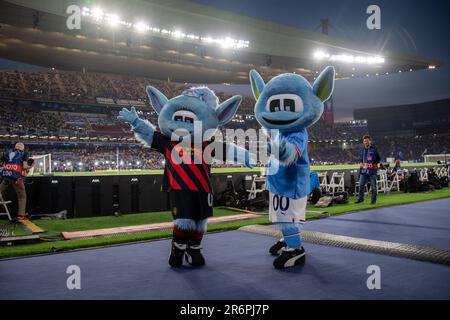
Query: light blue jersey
[291,181]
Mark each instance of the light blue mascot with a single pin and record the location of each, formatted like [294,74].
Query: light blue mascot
[288,105]
[187,124]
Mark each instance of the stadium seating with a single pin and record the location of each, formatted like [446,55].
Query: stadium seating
[65,113]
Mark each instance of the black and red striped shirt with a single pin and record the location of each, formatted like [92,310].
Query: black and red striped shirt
[193,173]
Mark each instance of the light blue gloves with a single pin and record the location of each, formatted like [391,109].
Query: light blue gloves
[129,116]
[143,129]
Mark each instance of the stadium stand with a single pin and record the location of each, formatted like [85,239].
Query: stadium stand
[72,115]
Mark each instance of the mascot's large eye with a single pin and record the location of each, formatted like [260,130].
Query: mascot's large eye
[285,102]
[289,105]
[184,116]
[275,105]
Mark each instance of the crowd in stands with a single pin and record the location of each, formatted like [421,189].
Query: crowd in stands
[68,157]
[67,104]
[80,87]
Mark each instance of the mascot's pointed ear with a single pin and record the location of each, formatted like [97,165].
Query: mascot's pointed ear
[256,82]
[157,98]
[324,85]
[226,110]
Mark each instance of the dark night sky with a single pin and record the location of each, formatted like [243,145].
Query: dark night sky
[419,28]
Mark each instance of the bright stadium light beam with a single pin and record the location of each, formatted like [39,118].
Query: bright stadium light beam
[97,13]
[141,27]
[178,34]
[348,58]
[227,43]
[113,20]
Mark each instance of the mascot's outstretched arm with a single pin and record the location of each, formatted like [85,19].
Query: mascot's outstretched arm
[225,113]
[142,129]
[241,155]
[288,153]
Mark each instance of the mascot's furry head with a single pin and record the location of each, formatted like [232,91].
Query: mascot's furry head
[288,102]
[195,104]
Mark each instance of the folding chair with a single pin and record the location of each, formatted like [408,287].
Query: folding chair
[258,185]
[337,182]
[5,205]
[323,177]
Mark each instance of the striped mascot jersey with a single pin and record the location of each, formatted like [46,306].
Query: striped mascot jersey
[189,174]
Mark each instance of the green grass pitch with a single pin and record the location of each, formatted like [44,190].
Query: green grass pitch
[217,170]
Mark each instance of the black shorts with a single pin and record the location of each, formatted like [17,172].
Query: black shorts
[193,205]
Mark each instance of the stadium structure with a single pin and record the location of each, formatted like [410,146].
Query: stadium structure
[182,41]
[414,119]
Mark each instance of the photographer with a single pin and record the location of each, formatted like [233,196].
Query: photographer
[15,165]
[369,160]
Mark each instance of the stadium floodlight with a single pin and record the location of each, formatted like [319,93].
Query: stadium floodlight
[96,163]
[348,58]
[97,13]
[113,20]
[193,37]
[141,27]
[431,67]
[80,163]
[69,164]
[99,16]
[121,163]
[227,43]
[85,11]
[138,162]
[207,39]
[178,34]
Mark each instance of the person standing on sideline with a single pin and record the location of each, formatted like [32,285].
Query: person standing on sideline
[15,164]
[369,160]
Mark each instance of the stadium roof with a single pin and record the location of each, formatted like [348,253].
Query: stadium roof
[180,40]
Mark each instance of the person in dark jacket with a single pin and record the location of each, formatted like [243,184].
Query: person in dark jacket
[15,164]
[369,160]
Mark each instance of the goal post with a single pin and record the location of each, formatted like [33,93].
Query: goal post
[42,164]
[434,158]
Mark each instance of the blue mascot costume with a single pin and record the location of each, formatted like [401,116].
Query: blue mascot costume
[193,116]
[287,105]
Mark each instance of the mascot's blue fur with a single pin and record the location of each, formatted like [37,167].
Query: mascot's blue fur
[289,104]
[188,184]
